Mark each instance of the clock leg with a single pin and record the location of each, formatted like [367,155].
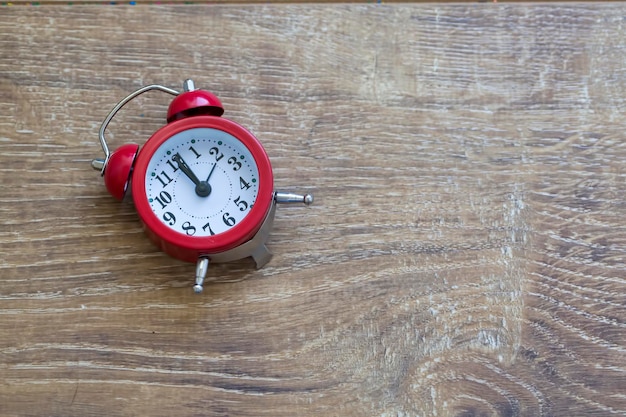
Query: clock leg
[261,256]
[201,270]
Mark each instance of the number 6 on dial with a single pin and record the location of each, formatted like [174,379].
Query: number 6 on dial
[202,185]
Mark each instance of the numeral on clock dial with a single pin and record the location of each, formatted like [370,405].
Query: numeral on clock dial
[164,179]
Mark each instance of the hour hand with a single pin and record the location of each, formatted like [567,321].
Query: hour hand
[185,168]
[211,173]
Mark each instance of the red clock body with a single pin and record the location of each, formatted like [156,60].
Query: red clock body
[202,185]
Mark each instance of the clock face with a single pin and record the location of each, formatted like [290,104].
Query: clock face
[202,185]
[201,182]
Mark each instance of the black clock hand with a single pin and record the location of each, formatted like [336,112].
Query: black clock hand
[203,189]
[211,173]
[185,168]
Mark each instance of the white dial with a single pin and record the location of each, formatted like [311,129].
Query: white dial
[201,182]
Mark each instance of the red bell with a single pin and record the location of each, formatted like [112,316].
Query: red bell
[194,103]
[118,169]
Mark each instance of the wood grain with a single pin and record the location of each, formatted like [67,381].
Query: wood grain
[237,2]
[465,255]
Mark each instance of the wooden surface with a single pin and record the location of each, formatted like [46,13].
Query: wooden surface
[465,256]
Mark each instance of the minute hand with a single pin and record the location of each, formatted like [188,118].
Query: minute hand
[185,168]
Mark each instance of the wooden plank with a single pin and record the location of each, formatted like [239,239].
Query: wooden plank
[465,255]
[239,2]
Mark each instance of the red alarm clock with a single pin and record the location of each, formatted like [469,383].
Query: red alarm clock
[202,185]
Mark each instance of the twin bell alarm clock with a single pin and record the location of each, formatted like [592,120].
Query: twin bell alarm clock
[202,184]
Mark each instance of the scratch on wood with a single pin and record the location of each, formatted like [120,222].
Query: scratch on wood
[75,393]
